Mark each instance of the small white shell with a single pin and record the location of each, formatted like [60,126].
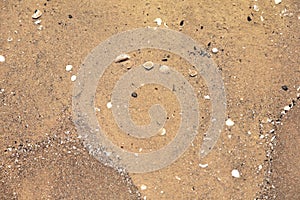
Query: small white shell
[37,14]
[235,173]
[69,68]
[109,105]
[229,122]
[158,21]
[143,187]
[38,21]
[277,1]
[255,8]
[2,58]
[164,69]
[121,58]
[193,72]
[214,50]
[162,132]
[203,165]
[73,78]
[148,65]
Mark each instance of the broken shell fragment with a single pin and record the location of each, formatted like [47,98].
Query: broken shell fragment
[148,65]
[192,72]
[277,1]
[121,58]
[37,14]
[235,173]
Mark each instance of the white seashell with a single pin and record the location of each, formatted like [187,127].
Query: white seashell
[203,165]
[207,97]
[255,8]
[162,131]
[192,72]
[277,1]
[214,50]
[148,65]
[37,14]
[158,21]
[164,69]
[229,122]
[235,173]
[73,78]
[69,68]
[109,105]
[121,58]
[2,58]
[38,21]
[143,187]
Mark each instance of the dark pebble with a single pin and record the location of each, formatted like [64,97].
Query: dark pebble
[284,87]
[134,95]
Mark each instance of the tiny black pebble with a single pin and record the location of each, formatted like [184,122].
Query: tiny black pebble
[284,87]
[181,23]
[249,19]
[134,95]
[70,16]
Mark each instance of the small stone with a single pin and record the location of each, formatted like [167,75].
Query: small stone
[284,87]
[148,65]
[37,14]
[143,187]
[134,95]
[121,58]
[69,68]
[235,173]
[229,122]
[192,72]
[73,78]
[164,69]
[214,50]
[158,21]
[109,105]
[181,23]
[277,1]
[178,178]
[255,8]
[2,58]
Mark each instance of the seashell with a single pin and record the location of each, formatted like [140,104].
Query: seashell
[192,72]
[158,21]
[121,58]
[215,50]
[164,69]
[235,173]
[36,14]
[229,122]
[148,65]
